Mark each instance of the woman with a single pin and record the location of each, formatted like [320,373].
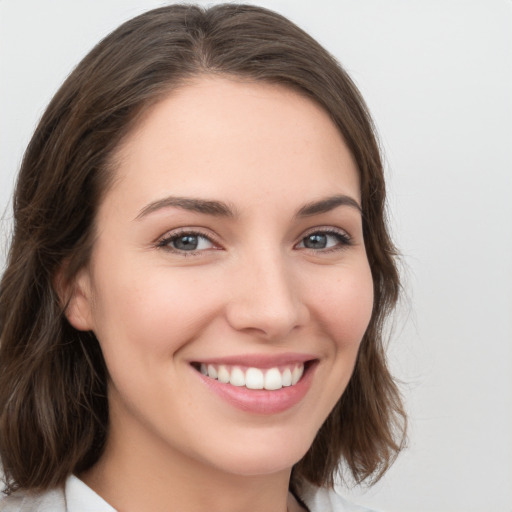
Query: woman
[192,309]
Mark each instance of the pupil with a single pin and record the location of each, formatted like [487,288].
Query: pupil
[316,241]
[186,243]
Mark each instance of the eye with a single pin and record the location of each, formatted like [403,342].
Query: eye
[186,242]
[324,240]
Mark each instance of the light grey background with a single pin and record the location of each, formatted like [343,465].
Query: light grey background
[437,75]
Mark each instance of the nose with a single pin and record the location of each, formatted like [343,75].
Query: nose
[265,299]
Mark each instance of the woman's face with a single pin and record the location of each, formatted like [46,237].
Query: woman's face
[230,244]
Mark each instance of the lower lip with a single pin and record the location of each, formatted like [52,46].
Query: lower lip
[262,401]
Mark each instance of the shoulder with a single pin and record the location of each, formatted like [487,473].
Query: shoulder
[23,501]
[325,500]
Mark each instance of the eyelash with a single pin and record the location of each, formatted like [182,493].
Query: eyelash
[166,241]
[344,240]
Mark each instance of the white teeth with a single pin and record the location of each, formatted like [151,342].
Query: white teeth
[287,377]
[254,378]
[223,374]
[273,379]
[297,374]
[237,377]
[212,372]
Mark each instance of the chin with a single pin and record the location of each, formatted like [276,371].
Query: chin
[261,465]
[263,456]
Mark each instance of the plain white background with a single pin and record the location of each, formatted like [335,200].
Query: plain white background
[437,76]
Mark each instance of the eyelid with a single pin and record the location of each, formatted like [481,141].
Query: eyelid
[344,238]
[163,242]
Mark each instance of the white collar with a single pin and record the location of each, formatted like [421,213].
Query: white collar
[81,498]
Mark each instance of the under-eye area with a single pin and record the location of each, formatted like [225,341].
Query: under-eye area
[269,379]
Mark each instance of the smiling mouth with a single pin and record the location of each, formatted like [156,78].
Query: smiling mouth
[270,379]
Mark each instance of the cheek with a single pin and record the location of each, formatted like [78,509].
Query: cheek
[346,305]
[148,313]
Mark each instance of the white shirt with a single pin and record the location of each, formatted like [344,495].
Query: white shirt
[78,497]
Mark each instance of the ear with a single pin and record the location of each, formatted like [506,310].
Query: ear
[76,298]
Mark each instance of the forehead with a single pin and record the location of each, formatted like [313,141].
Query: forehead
[222,137]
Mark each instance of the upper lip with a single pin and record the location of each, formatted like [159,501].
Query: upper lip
[259,360]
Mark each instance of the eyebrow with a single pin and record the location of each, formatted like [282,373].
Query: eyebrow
[221,209]
[328,204]
[209,207]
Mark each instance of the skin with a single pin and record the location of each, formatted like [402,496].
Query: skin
[251,287]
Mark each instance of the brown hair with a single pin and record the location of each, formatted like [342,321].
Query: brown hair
[53,400]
